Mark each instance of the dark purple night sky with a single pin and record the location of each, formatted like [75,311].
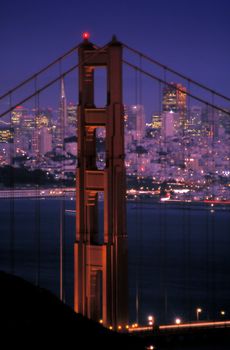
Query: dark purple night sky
[190,36]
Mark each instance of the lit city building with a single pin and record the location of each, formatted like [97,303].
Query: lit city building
[135,121]
[72,115]
[17,115]
[62,124]
[41,120]
[6,134]
[156,121]
[175,100]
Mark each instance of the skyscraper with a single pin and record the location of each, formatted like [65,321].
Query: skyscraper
[61,127]
[17,117]
[175,100]
[135,121]
[72,115]
[156,121]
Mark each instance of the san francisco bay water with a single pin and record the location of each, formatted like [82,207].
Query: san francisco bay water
[179,254]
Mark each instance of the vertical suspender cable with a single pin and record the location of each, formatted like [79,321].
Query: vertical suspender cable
[62,116]
[137,299]
[61,218]
[213,214]
[207,225]
[141,204]
[161,229]
[37,186]
[164,221]
[163,309]
[12,203]
[190,184]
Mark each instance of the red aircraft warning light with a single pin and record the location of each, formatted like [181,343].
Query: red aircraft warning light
[85,35]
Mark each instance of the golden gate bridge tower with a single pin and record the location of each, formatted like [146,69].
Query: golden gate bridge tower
[101,267]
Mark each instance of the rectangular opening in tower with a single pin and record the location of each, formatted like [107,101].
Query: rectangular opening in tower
[100,87]
[100,148]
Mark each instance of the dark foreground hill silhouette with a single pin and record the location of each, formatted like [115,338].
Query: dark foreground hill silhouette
[32,317]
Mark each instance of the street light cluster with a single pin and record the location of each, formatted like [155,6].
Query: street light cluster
[151,321]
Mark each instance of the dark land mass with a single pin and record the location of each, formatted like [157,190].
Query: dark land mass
[32,317]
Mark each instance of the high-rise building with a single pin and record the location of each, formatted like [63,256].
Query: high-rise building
[169,124]
[135,121]
[27,123]
[42,120]
[72,115]
[6,134]
[45,140]
[175,100]
[156,121]
[17,116]
[61,126]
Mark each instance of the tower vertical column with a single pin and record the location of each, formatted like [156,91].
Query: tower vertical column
[101,268]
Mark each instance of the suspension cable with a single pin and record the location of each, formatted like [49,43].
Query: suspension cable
[137,265]
[37,187]
[44,87]
[34,76]
[176,73]
[152,76]
[12,203]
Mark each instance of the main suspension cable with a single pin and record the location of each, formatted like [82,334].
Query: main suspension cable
[52,82]
[202,86]
[34,76]
[152,76]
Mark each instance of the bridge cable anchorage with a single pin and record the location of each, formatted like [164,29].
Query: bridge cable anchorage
[35,75]
[152,76]
[202,86]
[52,82]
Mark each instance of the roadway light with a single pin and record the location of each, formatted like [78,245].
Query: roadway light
[198,312]
[178,321]
[150,320]
[223,313]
